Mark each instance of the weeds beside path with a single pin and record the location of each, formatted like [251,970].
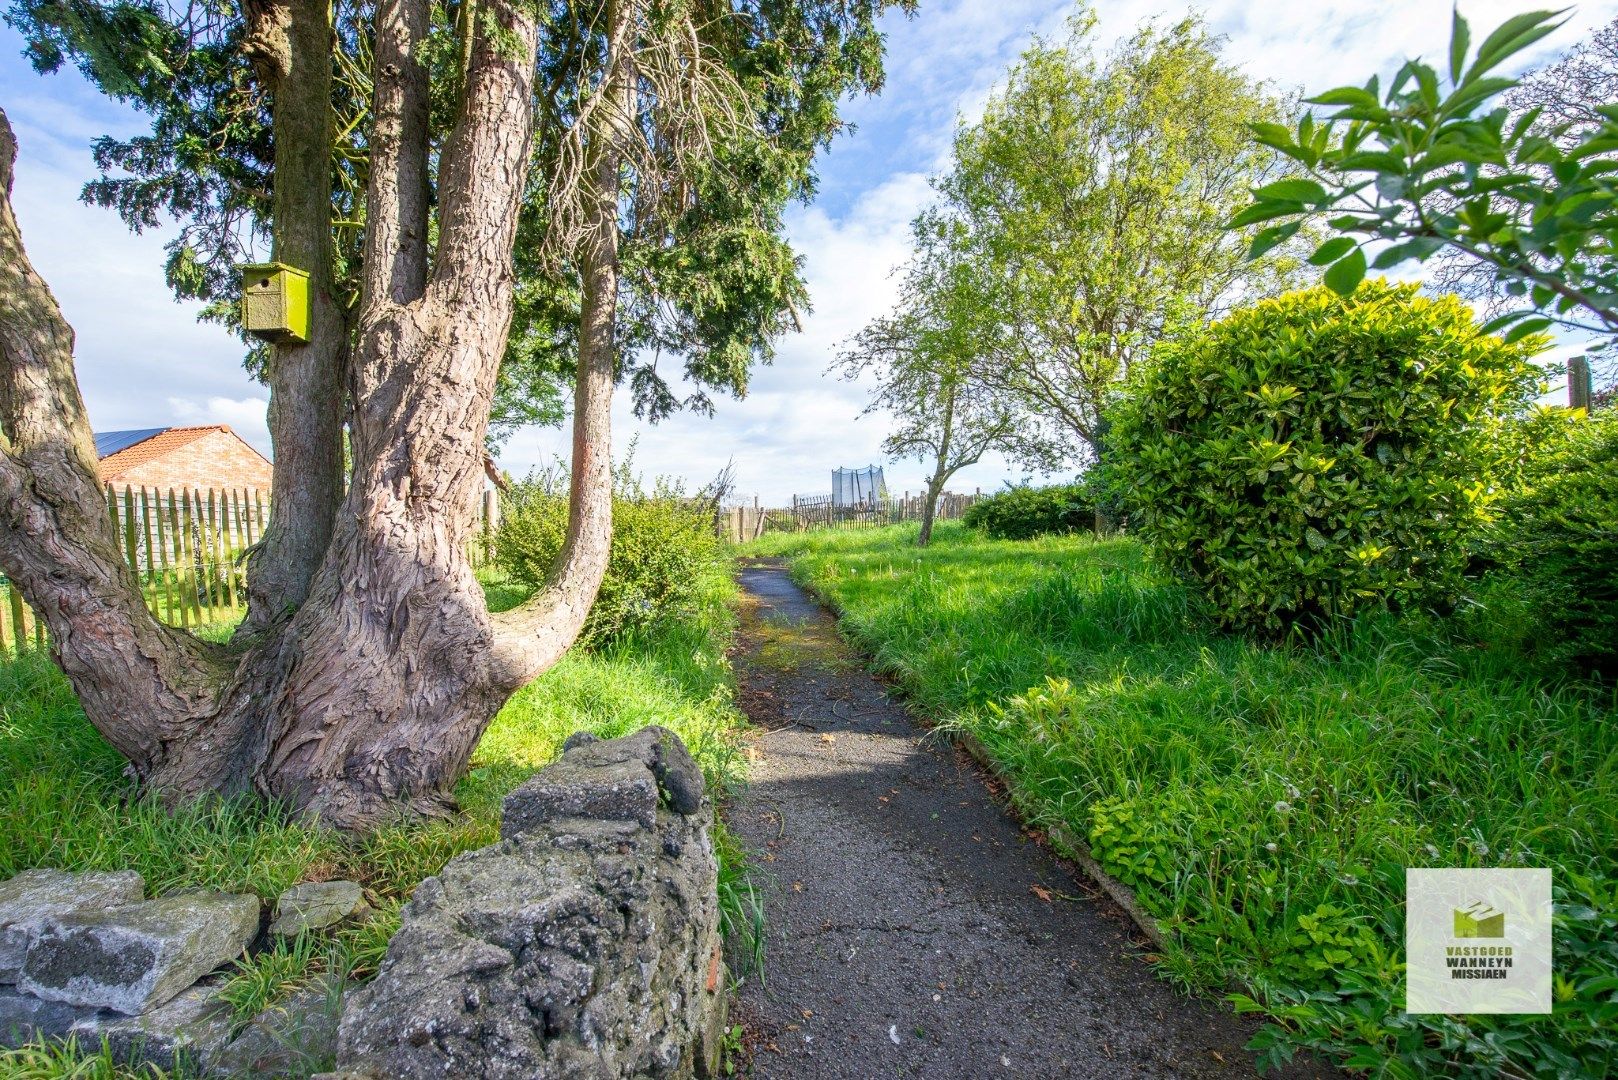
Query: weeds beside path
[913,928]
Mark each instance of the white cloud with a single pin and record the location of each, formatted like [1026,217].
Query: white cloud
[244,415]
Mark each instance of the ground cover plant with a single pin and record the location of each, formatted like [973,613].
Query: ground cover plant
[1263,801]
[65,803]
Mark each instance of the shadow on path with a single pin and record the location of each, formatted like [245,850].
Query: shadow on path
[905,935]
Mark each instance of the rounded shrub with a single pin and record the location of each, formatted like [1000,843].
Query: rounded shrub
[1021,513]
[1314,454]
[665,557]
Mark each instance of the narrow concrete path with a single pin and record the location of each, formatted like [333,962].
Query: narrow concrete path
[909,930]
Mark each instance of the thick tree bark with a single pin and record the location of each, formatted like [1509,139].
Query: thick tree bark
[368,699]
[56,542]
[290,43]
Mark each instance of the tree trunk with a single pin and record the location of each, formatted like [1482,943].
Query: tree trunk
[369,698]
[290,43]
[929,507]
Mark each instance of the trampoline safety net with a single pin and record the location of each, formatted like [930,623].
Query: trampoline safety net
[858,487]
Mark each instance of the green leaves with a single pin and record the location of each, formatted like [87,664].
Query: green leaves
[1512,37]
[1430,165]
[1345,275]
[1332,250]
[1318,453]
[1460,38]
[1299,191]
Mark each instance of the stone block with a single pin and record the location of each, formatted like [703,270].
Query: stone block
[316,905]
[185,1034]
[35,896]
[133,958]
[24,1017]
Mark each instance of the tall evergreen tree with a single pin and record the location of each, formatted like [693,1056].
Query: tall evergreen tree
[627,160]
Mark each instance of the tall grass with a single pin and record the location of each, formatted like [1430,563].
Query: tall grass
[65,803]
[1254,796]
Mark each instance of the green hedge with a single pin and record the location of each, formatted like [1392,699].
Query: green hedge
[1022,513]
[1557,536]
[664,553]
[1313,455]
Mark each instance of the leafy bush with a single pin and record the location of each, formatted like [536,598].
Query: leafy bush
[1022,513]
[1558,535]
[664,554]
[1315,454]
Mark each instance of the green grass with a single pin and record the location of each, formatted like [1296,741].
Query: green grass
[1264,802]
[71,1060]
[65,803]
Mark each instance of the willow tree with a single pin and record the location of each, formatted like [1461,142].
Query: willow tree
[659,130]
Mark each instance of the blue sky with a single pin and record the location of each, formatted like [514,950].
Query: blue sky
[144,361]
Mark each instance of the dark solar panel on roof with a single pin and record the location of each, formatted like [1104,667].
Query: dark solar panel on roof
[110,442]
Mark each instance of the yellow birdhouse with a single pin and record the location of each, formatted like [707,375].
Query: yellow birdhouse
[275,302]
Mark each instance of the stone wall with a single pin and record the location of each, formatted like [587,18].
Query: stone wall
[584,944]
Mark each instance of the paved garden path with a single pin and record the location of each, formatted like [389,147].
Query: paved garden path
[909,932]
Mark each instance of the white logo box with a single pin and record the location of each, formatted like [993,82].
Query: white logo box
[1477,941]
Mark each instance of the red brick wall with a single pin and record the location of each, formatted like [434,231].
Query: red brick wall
[217,460]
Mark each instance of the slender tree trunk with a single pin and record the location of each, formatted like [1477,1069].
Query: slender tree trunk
[290,43]
[369,698]
[929,507]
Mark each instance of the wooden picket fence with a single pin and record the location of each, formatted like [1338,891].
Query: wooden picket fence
[740,524]
[188,550]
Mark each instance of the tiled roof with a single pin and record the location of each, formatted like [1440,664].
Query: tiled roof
[156,442]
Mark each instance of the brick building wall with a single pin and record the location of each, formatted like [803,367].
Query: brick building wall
[214,457]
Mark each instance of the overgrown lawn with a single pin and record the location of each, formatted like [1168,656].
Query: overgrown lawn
[65,803]
[1264,802]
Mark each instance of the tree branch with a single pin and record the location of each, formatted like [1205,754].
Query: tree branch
[57,544]
[532,637]
[306,379]
[396,213]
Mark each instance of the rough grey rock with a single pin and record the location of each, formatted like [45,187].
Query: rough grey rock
[614,780]
[34,896]
[315,905]
[579,738]
[187,1033]
[576,948]
[290,1039]
[24,1017]
[132,958]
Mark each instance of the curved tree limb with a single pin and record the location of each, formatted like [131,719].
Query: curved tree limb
[138,676]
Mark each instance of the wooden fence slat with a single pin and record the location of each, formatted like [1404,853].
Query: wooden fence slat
[180,513]
[19,627]
[216,518]
[159,554]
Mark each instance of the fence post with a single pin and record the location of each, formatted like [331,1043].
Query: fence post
[1578,383]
